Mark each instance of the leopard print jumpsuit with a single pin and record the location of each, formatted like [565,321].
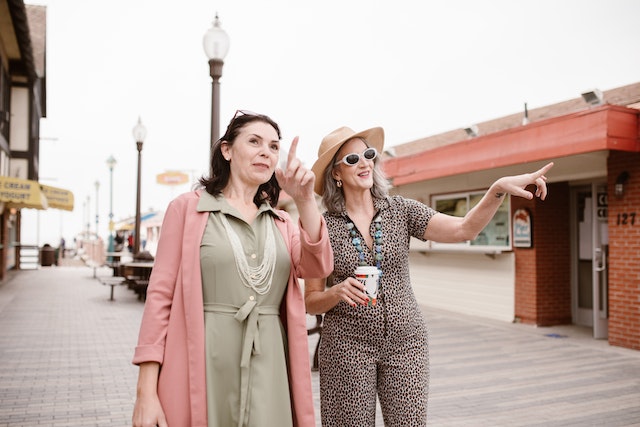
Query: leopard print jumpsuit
[380,349]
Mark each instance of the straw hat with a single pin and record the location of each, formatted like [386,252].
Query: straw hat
[331,144]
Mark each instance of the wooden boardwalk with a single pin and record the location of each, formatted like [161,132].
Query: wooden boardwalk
[65,352]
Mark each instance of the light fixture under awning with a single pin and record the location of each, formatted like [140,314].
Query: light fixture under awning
[22,193]
[58,198]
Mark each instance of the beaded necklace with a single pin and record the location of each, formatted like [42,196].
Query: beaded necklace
[258,278]
[377,242]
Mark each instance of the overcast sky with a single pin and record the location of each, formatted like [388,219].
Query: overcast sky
[416,68]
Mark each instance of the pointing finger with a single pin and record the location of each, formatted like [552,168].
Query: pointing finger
[544,169]
[292,150]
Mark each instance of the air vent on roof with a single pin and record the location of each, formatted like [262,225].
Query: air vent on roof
[472,131]
[593,97]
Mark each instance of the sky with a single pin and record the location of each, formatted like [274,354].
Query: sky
[416,68]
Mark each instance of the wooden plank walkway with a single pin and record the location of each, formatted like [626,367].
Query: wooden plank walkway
[65,353]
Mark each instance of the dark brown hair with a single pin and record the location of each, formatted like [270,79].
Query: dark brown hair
[219,167]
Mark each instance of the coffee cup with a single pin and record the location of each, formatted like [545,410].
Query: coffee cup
[370,277]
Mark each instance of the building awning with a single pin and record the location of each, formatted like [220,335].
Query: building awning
[22,193]
[608,127]
[149,219]
[58,198]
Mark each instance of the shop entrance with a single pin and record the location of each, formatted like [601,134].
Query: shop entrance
[590,250]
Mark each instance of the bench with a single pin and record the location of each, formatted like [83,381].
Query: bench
[138,285]
[115,267]
[113,282]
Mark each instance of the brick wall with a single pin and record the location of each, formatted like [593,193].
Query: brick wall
[525,269]
[624,252]
[543,277]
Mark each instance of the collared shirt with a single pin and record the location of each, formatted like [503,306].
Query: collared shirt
[397,308]
[211,203]
[245,346]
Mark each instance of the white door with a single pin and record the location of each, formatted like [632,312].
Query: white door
[590,265]
[600,288]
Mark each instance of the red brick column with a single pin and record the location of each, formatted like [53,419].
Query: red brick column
[624,252]
[543,272]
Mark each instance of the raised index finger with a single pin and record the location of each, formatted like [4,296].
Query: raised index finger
[544,169]
[292,150]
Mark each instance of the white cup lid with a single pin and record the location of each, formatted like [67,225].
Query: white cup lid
[367,269]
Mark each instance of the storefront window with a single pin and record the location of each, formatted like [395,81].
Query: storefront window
[496,235]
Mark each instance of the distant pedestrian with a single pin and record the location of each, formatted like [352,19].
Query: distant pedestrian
[119,241]
[61,249]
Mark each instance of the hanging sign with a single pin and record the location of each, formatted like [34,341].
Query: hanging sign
[172,178]
[522,229]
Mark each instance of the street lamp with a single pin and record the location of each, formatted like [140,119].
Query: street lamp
[88,216]
[97,184]
[139,133]
[111,162]
[216,46]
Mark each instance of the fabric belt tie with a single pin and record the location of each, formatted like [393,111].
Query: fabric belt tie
[250,313]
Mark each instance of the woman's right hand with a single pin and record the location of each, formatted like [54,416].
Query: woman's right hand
[351,291]
[148,412]
[319,298]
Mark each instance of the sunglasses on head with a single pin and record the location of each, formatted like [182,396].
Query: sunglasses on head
[353,159]
[243,113]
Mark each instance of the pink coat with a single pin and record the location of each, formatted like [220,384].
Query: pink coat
[172,328]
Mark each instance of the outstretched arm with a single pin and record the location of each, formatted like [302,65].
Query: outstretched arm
[451,229]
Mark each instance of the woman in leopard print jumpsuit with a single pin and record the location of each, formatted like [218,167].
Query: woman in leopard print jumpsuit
[380,349]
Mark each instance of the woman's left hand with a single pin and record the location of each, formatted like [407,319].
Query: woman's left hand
[515,185]
[297,181]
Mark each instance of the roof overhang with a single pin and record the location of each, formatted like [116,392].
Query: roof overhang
[24,63]
[608,127]
[149,219]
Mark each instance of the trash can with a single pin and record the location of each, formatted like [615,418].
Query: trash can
[47,255]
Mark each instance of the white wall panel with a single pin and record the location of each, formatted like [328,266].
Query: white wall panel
[470,283]
[19,125]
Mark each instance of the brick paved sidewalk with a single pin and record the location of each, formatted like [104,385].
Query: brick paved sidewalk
[66,349]
[65,353]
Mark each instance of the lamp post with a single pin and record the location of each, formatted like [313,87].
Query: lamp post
[216,46]
[139,133]
[97,184]
[88,217]
[111,162]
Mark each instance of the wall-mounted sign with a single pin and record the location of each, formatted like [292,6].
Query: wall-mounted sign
[522,229]
[603,206]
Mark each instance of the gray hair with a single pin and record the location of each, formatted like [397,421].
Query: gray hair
[333,196]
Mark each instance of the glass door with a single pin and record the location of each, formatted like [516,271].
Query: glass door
[590,260]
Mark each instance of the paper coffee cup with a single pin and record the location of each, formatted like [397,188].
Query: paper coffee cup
[370,277]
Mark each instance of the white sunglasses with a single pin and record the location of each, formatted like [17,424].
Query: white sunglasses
[353,159]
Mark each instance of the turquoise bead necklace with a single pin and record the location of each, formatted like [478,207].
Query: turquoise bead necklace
[359,244]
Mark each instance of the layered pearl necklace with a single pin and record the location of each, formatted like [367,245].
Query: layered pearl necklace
[257,278]
[377,242]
